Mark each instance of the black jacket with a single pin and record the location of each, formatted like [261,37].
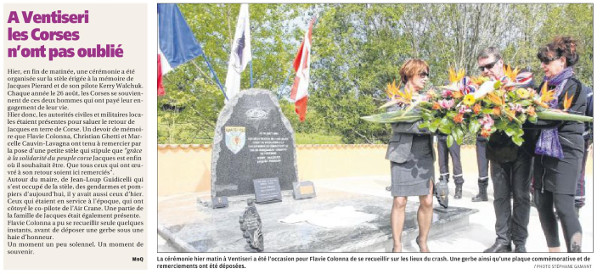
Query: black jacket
[501,149]
[568,131]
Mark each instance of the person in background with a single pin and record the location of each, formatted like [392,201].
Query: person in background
[510,169]
[410,152]
[454,151]
[560,147]
[587,139]
[482,166]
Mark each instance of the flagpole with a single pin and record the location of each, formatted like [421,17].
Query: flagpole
[213,74]
[285,82]
[251,81]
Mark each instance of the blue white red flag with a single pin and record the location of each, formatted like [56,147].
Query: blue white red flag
[176,42]
[466,86]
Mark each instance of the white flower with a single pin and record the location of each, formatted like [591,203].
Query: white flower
[485,88]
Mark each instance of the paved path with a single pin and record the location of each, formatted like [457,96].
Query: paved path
[474,238]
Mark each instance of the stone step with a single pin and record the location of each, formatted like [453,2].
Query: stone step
[334,221]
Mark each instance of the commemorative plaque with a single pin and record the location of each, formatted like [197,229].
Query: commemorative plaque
[304,190]
[253,140]
[251,227]
[219,202]
[267,190]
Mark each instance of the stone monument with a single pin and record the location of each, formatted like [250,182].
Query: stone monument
[253,140]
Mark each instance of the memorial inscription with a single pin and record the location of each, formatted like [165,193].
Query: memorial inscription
[267,190]
[253,140]
[251,227]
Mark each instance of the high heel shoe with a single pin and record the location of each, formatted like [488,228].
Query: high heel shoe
[419,245]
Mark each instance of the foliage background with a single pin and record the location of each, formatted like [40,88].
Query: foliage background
[357,49]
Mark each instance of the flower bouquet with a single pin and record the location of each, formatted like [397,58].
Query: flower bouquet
[476,105]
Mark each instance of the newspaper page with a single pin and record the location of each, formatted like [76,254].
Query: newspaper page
[75,163]
[262,163]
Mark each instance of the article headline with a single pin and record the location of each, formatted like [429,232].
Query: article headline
[38,34]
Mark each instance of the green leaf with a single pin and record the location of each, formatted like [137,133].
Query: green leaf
[509,131]
[458,135]
[434,125]
[497,85]
[501,124]
[556,116]
[449,140]
[518,140]
[474,126]
[524,103]
[532,119]
[520,132]
[446,126]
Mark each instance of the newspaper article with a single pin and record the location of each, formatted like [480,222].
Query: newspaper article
[75,137]
[262,162]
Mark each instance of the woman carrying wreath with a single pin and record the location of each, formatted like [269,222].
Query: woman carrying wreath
[559,149]
[410,152]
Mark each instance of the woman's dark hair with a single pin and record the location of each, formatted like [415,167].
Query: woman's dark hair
[559,47]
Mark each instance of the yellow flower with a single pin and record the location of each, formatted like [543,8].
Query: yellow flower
[496,100]
[392,90]
[469,100]
[567,102]
[457,95]
[479,80]
[396,96]
[523,93]
[511,114]
[406,96]
[455,76]
[511,73]
[547,95]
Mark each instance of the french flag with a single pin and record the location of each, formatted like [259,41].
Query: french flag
[176,42]
[299,91]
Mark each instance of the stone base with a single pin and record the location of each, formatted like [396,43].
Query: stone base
[334,221]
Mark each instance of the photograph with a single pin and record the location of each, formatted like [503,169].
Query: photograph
[356,127]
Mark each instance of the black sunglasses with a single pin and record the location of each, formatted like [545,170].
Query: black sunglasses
[424,74]
[547,60]
[488,66]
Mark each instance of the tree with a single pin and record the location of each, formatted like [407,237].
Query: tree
[356,50]
[188,112]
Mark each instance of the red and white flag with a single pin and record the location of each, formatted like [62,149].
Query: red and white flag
[299,91]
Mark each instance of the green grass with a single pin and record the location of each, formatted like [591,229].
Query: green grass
[185,137]
[313,138]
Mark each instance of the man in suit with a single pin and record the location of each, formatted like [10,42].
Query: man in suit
[511,171]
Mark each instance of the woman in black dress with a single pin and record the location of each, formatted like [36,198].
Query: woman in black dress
[559,149]
[410,152]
